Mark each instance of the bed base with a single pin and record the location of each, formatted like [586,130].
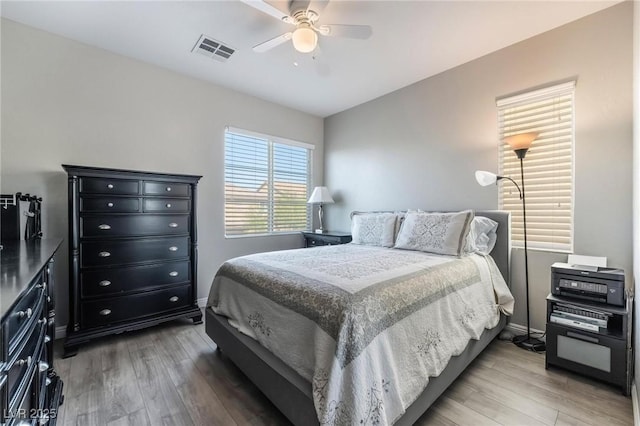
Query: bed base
[291,393]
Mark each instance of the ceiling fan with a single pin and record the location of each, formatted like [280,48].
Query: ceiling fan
[305,35]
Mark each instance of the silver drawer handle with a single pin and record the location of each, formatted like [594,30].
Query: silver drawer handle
[105,312]
[168,205]
[104,254]
[173,273]
[168,189]
[109,204]
[22,362]
[42,321]
[110,186]
[104,283]
[42,286]
[173,225]
[173,299]
[47,339]
[43,366]
[26,313]
[173,248]
[104,227]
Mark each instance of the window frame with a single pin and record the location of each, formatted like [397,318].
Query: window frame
[530,97]
[271,140]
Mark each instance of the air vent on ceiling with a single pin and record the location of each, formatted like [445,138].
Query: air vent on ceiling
[211,48]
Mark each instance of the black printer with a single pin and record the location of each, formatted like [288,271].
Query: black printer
[596,284]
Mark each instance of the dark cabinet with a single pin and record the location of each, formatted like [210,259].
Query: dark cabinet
[604,353]
[30,388]
[132,251]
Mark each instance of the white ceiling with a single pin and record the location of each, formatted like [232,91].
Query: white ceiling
[411,40]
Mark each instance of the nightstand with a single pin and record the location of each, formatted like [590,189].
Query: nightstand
[602,353]
[328,238]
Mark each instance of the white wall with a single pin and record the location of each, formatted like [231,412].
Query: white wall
[418,147]
[65,102]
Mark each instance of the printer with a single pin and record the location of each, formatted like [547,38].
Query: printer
[600,285]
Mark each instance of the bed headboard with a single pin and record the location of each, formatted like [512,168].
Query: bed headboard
[501,252]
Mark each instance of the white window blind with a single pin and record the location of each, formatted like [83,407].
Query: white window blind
[548,166]
[267,184]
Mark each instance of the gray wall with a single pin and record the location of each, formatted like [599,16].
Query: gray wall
[419,146]
[65,102]
[636,185]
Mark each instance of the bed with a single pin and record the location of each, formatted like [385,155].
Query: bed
[319,365]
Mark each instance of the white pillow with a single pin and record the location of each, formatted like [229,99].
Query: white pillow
[482,237]
[373,229]
[441,233]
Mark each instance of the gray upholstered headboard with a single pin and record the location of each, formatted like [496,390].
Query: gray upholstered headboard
[501,252]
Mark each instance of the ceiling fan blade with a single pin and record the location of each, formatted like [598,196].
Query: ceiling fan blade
[318,5]
[350,31]
[297,5]
[265,7]
[270,44]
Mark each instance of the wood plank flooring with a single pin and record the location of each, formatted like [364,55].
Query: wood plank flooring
[173,375]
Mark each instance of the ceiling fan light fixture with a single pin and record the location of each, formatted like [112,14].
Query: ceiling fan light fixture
[304,39]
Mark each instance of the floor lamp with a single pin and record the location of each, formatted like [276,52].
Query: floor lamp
[520,144]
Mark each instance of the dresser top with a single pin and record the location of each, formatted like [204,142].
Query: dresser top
[130,174]
[20,262]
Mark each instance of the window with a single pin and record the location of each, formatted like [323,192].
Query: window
[548,166]
[266,184]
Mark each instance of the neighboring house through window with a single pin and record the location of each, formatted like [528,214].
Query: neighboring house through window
[266,184]
[548,166]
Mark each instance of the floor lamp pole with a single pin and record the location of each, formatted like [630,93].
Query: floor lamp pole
[526,341]
[526,259]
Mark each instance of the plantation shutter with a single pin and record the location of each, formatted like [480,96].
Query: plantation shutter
[267,184]
[548,166]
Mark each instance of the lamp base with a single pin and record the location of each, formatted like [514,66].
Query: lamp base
[529,343]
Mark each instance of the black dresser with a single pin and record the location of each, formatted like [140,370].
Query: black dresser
[132,251]
[30,389]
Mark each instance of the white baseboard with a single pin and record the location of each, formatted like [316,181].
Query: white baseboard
[634,402]
[518,329]
[61,331]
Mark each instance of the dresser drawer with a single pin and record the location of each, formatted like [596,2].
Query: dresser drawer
[109,204]
[133,225]
[106,253]
[28,308]
[166,205]
[19,364]
[106,282]
[108,311]
[166,189]
[109,186]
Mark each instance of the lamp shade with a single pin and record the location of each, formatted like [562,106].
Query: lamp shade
[320,195]
[304,39]
[521,140]
[486,178]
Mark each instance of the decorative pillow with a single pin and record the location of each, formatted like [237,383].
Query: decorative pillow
[373,229]
[441,233]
